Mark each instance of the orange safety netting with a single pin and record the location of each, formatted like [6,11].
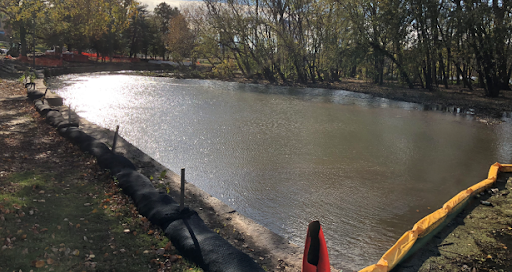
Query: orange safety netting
[42,61]
[432,221]
[116,58]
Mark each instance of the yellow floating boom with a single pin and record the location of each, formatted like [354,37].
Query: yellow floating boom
[432,223]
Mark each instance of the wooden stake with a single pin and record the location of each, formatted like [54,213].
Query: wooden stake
[115,139]
[182,196]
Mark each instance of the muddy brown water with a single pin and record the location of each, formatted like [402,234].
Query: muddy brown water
[367,168]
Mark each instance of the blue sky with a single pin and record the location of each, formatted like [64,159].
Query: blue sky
[175,3]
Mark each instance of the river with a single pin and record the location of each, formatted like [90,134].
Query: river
[368,168]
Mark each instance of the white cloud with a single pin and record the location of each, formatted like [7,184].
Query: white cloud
[173,3]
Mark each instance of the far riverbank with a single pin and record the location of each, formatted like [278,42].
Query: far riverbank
[456,98]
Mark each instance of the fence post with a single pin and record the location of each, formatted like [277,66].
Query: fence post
[182,196]
[115,139]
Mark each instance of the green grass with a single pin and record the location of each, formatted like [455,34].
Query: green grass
[54,222]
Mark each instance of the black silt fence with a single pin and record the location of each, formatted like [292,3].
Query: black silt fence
[186,230]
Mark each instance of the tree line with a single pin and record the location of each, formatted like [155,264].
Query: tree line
[107,27]
[418,43]
[422,43]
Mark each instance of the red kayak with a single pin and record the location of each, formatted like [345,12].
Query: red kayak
[316,258]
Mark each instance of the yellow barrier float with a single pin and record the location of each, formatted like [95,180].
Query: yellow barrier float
[427,227]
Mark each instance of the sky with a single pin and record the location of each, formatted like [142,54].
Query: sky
[174,3]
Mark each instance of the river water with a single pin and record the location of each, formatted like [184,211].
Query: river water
[367,168]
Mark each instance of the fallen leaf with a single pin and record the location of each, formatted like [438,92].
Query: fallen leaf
[76,252]
[16,206]
[94,211]
[39,264]
[24,236]
[174,258]
[168,246]
[151,232]
[43,230]
[77,226]
[134,233]
[50,261]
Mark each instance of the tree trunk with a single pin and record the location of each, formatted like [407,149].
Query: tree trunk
[403,72]
[467,83]
[23,40]
[443,70]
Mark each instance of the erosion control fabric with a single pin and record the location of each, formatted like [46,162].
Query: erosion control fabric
[187,231]
[433,223]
